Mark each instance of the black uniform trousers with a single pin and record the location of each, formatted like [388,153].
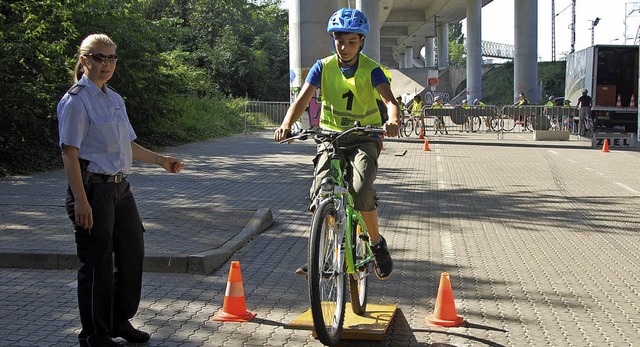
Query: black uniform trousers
[111,255]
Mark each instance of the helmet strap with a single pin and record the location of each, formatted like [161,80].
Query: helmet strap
[348,62]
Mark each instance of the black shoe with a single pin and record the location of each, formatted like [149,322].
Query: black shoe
[383,263]
[131,334]
[303,270]
[97,341]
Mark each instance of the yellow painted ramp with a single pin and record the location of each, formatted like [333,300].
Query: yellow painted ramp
[372,325]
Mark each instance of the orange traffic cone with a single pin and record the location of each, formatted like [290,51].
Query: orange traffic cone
[444,313]
[619,102]
[234,308]
[605,145]
[421,133]
[426,144]
[632,103]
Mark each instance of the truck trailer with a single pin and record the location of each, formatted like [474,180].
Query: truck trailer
[610,75]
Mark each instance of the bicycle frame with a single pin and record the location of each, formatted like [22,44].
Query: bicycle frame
[341,195]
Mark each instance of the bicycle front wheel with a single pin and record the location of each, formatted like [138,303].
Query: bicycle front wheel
[408,127]
[419,127]
[326,274]
[359,281]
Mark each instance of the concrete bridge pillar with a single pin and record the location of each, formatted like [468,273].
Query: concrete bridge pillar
[474,49]
[525,62]
[443,45]
[371,8]
[429,59]
[308,42]
[408,57]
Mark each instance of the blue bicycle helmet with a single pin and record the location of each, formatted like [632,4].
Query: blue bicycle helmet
[349,20]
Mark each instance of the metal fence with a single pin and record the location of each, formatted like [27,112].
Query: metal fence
[507,118]
[264,115]
[268,115]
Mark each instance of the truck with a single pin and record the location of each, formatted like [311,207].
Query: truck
[610,75]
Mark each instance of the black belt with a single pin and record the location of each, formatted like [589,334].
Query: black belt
[100,178]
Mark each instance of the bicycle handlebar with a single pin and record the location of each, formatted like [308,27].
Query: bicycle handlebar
[334,135]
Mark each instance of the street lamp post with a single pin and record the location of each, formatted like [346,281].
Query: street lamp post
[593,25]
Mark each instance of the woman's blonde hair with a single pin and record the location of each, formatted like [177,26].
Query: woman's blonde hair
[86,46]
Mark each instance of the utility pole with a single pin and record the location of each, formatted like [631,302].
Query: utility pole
[573,26]
[553,30]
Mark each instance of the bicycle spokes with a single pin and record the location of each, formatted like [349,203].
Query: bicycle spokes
[326,274]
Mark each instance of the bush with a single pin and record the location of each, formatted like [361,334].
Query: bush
[193,119]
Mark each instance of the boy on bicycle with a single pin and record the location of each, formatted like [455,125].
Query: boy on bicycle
[348,80]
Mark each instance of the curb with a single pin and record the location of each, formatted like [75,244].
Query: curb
[202,263]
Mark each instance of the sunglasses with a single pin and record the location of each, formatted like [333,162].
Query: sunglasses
[101,58]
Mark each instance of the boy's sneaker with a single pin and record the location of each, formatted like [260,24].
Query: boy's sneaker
[382,259]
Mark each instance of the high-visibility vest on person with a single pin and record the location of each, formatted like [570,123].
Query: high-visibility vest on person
[346,100]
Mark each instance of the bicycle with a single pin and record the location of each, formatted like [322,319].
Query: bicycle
[338,243]
[438,123]
[414,123]
[588,128]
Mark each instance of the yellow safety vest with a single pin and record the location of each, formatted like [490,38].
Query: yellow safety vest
[346,100]
[416,108]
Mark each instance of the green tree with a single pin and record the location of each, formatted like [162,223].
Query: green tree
[175,56]
[457,53]
[33,45]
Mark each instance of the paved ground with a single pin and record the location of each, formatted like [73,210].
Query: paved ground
[540,238]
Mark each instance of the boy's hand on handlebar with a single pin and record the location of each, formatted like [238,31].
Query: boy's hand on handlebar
[391,128]
[281,134]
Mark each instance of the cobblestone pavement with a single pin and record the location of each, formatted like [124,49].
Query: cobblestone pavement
[540,238]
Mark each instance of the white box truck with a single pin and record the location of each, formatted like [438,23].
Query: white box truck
[610,74]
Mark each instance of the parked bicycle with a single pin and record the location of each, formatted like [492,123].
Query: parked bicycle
[339,242]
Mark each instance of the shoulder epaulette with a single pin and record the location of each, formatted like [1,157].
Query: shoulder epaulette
[75,89]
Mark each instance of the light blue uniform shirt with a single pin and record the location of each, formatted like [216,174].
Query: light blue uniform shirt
[96,123]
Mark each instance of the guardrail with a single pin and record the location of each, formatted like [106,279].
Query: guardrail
[264,115]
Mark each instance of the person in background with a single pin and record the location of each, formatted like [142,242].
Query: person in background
[551,113]
[567,123]
[584,110]
[551,102]
[467,124]
[401,110]
[98,147]
[416,110]
[416,107]
[479,104]
[438,104]
[522,100]
[350,72]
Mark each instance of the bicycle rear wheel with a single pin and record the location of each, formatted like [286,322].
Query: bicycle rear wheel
[359,281]
[326,274]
